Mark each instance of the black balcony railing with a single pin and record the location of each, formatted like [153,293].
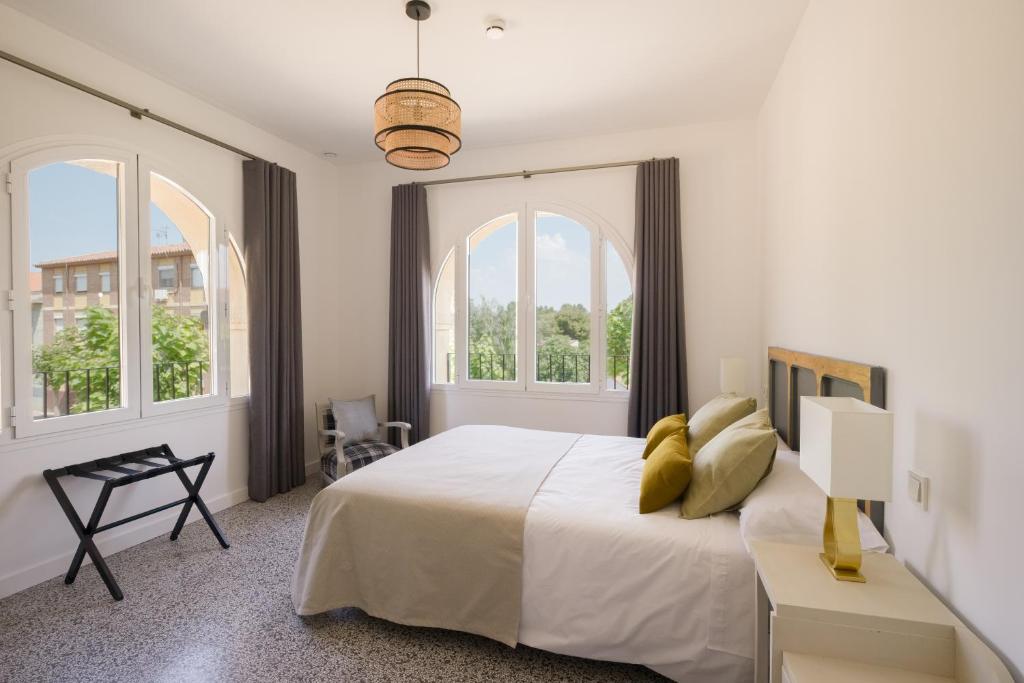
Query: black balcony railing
[618,372]
[449,371]
[563,368]
[178,379]
[498,367]
[551,367]
[78,390]
[88,390]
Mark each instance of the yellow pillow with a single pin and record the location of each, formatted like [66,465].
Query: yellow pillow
[730,466]
[716,415]
[666,473]
[666,426]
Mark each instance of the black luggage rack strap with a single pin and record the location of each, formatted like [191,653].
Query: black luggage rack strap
[115,472]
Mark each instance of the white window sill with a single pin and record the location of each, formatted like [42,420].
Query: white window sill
[11,442]
[609,396]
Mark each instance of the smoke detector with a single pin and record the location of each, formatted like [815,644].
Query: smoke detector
[495,29]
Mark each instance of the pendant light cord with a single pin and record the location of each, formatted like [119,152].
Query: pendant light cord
[417,45]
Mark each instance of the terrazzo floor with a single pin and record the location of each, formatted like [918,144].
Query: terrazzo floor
[194,612]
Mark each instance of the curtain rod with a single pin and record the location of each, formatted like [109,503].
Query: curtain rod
[136,111]
[541,171]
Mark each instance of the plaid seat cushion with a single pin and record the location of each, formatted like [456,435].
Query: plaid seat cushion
[354,456]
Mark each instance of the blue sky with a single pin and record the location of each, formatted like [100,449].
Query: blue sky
[73,211]
[563,265]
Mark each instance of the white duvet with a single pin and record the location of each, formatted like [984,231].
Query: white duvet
[602,581]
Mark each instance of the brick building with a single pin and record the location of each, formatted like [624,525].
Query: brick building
[67,287]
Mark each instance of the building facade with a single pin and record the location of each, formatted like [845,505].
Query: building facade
[68,287]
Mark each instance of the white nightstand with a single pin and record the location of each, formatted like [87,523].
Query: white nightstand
[892,624]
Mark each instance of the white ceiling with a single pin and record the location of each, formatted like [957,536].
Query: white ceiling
[309,70]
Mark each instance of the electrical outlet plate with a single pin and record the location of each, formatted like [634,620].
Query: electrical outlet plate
[917,489]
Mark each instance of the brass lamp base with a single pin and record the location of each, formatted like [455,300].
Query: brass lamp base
[841,538]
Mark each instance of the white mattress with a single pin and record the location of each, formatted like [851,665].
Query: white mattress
[602,581]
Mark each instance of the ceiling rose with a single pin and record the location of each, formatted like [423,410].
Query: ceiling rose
[416,121]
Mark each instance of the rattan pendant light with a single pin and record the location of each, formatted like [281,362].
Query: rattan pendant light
[416,121]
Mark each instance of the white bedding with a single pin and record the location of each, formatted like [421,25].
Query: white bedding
[602,581]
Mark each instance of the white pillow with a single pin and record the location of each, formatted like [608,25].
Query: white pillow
[357,419]
[787,507]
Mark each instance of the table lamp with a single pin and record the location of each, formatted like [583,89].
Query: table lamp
[846,449]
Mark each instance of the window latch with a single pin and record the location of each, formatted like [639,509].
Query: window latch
[10,299]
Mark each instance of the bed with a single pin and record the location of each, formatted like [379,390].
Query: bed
[534,537]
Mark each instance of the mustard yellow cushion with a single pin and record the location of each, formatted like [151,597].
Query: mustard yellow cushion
[666,473]
[666,426]
[730,466]
[716,415]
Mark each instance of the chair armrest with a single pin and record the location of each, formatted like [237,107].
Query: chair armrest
[339,436]
[404,426]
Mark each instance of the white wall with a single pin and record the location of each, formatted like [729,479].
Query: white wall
[891,168]
[37,541]
[720,255]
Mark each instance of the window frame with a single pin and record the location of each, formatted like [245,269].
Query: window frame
[596,280]
[147,289]
[601,235]
[462,308]
[127,182]
[133,274]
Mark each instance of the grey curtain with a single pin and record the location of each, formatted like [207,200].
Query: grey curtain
[276,452]
[409,342]
[658,367]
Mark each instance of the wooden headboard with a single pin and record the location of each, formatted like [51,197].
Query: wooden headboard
[792,374]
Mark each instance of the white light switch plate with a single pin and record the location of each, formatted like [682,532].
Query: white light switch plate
[917,489]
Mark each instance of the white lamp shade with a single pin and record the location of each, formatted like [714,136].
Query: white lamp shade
[846,447]
[733,375]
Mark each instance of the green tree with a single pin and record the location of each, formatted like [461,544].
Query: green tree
[83,363]
[180,353]
[620,336]
[492,339]
[574,322]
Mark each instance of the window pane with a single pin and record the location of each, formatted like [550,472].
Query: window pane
[444,323]
[179,238]
[76,336]
[238,322]
[492,300]
[619,295]
[563,299]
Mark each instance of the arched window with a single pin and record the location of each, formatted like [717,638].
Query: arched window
[564,311]
[574,335]
[492,301]
[182,345]
[117,280]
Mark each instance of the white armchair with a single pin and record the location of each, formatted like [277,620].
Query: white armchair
[353,456]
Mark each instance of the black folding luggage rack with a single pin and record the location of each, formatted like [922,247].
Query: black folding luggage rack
[114,473]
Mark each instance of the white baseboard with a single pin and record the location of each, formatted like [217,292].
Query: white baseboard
[312,468]
[109,544]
